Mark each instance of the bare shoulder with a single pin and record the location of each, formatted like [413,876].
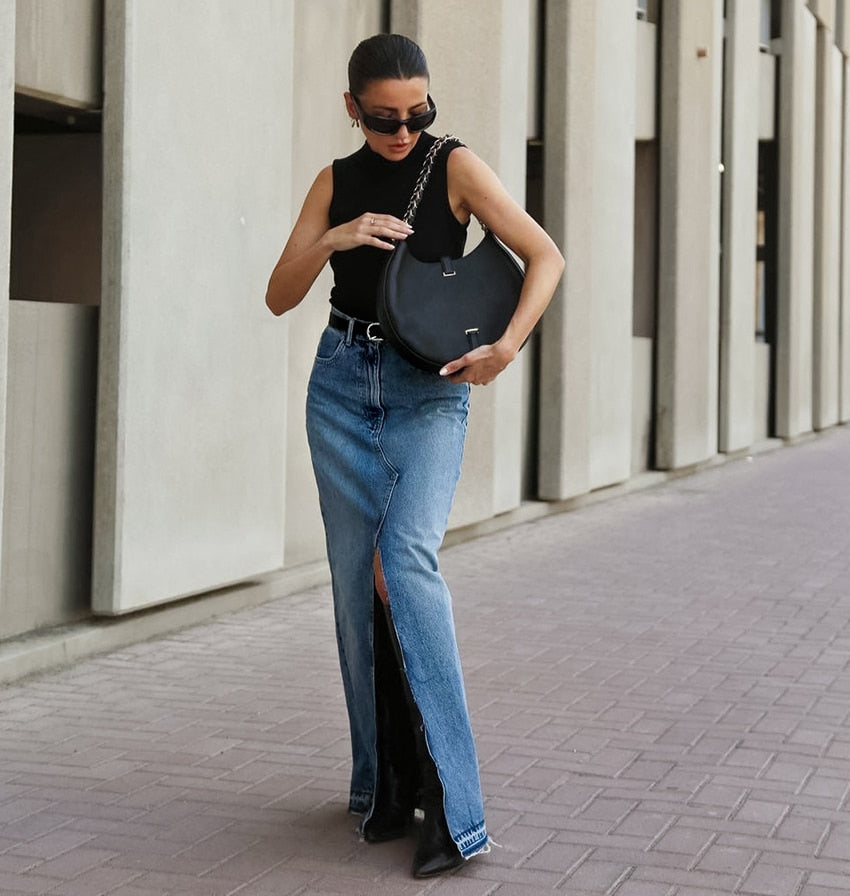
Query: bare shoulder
[323,185]
[313,219]
[320,194]
[475,189]
[463,162]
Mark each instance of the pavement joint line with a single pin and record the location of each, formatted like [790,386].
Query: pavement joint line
[627,873]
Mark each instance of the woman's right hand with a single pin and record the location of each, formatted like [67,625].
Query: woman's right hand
[313,241]
[369,229]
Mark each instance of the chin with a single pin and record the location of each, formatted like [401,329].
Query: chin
[393,151]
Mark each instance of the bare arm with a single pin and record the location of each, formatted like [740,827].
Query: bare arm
[313,241]
[474,189]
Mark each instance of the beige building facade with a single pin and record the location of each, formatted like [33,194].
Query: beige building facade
[692,161]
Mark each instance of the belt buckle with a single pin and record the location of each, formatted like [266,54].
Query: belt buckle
[369,335]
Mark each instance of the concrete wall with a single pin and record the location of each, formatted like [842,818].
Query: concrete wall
[740,187]
[7,84]
[49,469]
[844,375]
[192,395]
[202,473]
[534,93]
[646,81]
[589,171]
[45,573]
[58,51]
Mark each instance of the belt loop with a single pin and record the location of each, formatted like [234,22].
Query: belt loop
[349,333]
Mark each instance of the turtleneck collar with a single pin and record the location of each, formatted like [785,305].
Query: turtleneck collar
[415,157]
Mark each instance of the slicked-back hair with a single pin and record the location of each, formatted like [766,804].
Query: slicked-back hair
[382,57]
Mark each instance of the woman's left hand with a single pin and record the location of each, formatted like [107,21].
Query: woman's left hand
[480,366]
[475,190]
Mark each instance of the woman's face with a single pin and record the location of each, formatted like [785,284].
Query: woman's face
[392,98]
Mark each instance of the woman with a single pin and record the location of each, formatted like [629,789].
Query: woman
[386,440]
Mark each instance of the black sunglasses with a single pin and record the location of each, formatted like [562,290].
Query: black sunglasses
[389,126]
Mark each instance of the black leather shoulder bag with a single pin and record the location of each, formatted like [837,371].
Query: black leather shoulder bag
[435,312]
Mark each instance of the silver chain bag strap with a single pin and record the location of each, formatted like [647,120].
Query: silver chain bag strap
[425,175]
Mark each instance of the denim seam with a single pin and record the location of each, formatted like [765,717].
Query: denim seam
[379,448]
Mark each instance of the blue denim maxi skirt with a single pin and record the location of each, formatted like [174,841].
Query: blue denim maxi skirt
[386,441]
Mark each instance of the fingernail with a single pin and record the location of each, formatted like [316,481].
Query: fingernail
[443,372]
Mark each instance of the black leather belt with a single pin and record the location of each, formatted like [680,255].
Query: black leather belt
[371,331]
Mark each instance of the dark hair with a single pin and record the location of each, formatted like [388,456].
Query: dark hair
[385,56]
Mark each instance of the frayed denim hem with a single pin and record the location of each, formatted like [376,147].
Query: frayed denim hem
[359,802]
[486,848]
[473,842]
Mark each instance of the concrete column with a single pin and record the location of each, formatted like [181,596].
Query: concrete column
[844,313]
[687,366]
[795,271]
[7,132]
[479,80]
[565,381]
[740,200]
[586,390]
[827,231]
[613,243]
[192,396]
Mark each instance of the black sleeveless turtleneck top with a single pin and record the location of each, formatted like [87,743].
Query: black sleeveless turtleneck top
[367,182]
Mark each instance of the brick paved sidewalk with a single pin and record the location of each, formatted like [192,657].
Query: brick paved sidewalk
[659,685]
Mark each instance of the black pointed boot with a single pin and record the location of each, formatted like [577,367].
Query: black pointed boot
[436,851]
[398,773]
